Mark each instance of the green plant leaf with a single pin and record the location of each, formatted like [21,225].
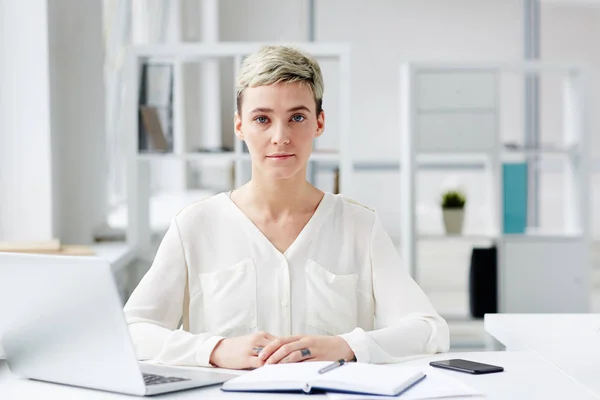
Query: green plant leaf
[453,199]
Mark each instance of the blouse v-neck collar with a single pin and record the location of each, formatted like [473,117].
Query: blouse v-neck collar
[305,235]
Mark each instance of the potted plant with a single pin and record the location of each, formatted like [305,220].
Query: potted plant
[453,209]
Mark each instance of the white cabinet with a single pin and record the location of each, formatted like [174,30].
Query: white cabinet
[543,274]
[456,90]
[456,132]
[456,111]
[451,111]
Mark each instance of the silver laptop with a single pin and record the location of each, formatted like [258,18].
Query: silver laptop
[61,321]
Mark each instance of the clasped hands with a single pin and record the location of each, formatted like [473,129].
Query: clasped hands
[257,349]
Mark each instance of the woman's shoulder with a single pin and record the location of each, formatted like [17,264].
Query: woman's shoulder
[349,204]
[206,206]
[353,204]
[348,208]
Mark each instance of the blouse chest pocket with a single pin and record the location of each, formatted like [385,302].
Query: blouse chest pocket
[229,299]
[331,300]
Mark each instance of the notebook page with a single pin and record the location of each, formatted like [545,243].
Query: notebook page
[436,385]
[271,374]
[369,377]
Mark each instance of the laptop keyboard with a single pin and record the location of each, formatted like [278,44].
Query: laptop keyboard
[151,379]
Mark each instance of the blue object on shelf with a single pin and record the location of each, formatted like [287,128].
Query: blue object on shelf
[515,197]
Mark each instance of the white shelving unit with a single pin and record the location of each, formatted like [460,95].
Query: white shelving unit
[450,112]
[138,171]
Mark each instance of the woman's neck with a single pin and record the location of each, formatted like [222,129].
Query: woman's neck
[275,199]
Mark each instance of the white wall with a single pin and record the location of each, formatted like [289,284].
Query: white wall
[263,20]
[25,158]
[77,118]
[52,141]
[569,32]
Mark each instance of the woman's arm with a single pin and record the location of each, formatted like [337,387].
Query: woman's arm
[406,324]
[155,308]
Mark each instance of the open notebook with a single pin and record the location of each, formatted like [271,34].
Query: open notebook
[438,385]
[304,377]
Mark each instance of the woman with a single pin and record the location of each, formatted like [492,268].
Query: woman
[276,270]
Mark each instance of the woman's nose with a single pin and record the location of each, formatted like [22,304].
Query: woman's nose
[281,134]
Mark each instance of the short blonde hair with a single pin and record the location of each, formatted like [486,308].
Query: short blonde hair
[276,64]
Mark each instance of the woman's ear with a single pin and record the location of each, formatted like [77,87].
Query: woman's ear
[320,124]
[237,123]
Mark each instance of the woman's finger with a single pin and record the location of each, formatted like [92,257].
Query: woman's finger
[298,356]
[288,349]
[256,362]
[260,344]
[275,345]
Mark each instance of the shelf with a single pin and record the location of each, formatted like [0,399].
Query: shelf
[470,237]
[196,52]
[425,67]
[463,157]
[457,110]
[453,158]
[220,160]
[542,150]
[159,106]
[224,156]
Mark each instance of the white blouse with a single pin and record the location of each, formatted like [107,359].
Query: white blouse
[216,275]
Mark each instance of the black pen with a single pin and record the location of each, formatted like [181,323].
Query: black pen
[336,364]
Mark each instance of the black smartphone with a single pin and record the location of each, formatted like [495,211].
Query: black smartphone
[470,367]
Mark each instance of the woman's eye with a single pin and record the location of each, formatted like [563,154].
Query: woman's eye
[261,120]
[298,118]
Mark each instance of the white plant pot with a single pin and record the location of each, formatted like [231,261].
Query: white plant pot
[453,220]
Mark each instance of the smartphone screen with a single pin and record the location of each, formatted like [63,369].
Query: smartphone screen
[471,367]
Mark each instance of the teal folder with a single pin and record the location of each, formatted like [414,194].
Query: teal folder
[515,197]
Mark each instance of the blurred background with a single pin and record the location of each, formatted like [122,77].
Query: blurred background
[115,114]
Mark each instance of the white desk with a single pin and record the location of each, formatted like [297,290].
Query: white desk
[520,331]
[120,255]
[569,341]
[526,376]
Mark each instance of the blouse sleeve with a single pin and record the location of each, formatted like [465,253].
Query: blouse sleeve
[406,324]
[155,309]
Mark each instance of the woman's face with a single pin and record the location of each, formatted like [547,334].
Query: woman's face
[278,123]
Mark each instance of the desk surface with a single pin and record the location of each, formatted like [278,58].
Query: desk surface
[526,376]
[118,254]
[571,342]
[520,331]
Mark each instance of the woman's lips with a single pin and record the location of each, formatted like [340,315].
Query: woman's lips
[280,157]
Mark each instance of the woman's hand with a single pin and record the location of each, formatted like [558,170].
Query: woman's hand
[241,352]
[303,348]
